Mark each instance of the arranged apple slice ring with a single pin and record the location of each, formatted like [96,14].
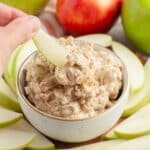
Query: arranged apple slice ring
[7,98]
[13,139]
[102,39]
[141,143]
[139,99]
[134,66]
[39,143]
[136,125]
[8,117]
[99,145]
[50,48]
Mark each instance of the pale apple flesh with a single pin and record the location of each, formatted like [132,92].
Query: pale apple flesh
[40,142]
[134,66]
[50,48]
[17,58]
[136,125]
[10,67]
[110,135]
[141,143]
[99,145]
[8,117]
[139,99]
[14,140]
[7,98]
[102,39]
[27,49]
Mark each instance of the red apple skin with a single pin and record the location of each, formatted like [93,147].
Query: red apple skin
[87,16]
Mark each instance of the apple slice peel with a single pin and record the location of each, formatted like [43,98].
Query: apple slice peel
[39,142]
[14,140]
[8,117]
[136,125]
[139,99]
[7,98]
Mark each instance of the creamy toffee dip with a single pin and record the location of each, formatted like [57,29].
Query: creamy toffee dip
[88,84]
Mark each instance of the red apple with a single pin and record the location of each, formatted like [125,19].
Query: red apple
[87,16]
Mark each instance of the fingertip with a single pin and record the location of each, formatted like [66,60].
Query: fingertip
[34,23]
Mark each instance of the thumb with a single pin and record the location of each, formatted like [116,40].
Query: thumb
[20,30]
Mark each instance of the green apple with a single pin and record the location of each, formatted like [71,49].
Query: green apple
[50,48]
[39,143]
[26,49]
[141,143]
[99,146]
[135,19]
[7,98]
[15,61]
[102,39]
[136,125]
[110,135]
[10,68]
[134,66]
[8,117]
[139,99]
[14,140]
[32,7]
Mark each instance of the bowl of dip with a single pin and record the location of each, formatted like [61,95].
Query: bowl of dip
[78,101]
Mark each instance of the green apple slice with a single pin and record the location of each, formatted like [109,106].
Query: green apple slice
[134,66]
[139,99]
[102,39]
[14,140]
[110,135]
[40,142]
[10,67]
[136,125]
[27,49]
[50,48]
[32,7]
[7,98]
[141,143]
[98,146]
[8,117]
[15,61]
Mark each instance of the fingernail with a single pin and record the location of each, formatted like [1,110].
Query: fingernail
[34,23]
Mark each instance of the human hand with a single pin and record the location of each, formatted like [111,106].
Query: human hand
[15,28]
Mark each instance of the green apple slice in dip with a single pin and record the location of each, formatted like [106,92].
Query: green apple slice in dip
[50,48]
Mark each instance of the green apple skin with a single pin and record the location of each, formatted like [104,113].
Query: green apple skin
[110,135]
[134,66]
[32,7]
[14,139]
[8,117]
[10,69]
[40,142]
[136,125]
[141,98]
[7,98]
[135,19]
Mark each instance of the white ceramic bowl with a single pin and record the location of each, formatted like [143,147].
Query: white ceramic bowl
[71,130]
